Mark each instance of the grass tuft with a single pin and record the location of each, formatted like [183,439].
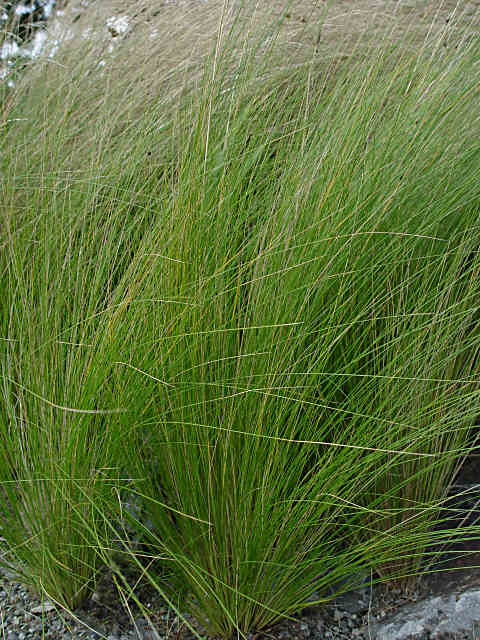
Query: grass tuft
[243,295]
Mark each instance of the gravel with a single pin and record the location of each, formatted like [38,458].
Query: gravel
[23,616]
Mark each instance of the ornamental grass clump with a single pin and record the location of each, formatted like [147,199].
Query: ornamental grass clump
[75,205]
[256,315]
[313,363]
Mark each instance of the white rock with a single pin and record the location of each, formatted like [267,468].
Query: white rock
[43,608]
[118,26]
[455,613]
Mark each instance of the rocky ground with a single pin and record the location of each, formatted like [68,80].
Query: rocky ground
[443,606]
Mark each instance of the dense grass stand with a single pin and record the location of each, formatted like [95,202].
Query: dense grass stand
[243,295]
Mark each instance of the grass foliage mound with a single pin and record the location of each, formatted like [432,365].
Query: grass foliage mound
[244,296]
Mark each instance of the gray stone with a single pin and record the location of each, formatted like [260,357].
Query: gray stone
[352,602]
[455,613]
[466,613]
